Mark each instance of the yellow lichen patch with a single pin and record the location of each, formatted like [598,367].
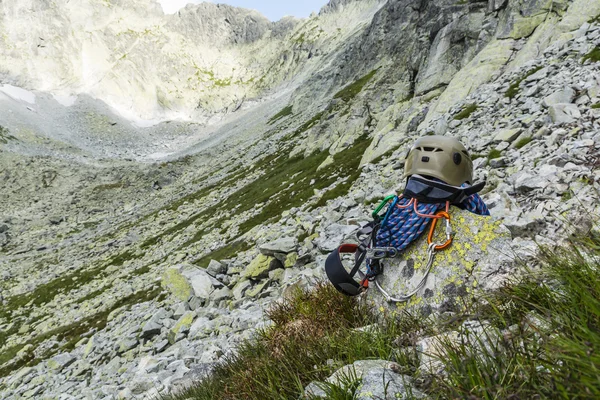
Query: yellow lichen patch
[469,266]
[176,284]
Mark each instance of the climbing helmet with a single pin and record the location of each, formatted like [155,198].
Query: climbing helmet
[441,157]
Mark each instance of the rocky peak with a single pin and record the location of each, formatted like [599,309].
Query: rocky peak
[220,24]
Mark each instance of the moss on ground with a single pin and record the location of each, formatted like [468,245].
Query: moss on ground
[47,292]
[229,251]
[69,335]
[5,135]
[596,106]
[281,114]
[108,186]
[387,154]
[352,90]
[291,182]
[346,161]
[466,112]
[305,126]
[515,88]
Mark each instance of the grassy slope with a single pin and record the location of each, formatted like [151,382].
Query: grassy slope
[541,341]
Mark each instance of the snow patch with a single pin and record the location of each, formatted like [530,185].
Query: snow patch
[135,119]
[18,93]
[63,100]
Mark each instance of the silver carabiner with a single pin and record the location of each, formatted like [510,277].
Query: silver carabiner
[404,298]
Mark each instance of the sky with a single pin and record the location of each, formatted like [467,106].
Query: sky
[272,9]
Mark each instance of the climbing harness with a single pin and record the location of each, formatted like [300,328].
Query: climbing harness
[425,200]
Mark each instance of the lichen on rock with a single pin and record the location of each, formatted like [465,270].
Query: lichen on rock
[480,258]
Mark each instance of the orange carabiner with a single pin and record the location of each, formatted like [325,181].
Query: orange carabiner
[446,216]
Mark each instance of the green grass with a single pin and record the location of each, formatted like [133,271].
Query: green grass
[387,154]
[108,186]
[493,154]
[554,358]
[225,252]
[351,91]
[523,142]
[466,112]
[593,56]
[306,126]
[348,159]
[596,106]
[540,340]
[515,88]
[595,20]
[281,114]
[47,292]
[313,334]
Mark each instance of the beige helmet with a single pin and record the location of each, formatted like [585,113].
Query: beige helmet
[441,157]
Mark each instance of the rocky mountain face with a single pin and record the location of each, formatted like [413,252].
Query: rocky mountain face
[134,258]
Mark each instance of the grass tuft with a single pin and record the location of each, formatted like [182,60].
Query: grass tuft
[281,114]
[543,337]
[466,112]
[596,106]
[493,154]
[593,56]
[515,88]
[349,92]
[523,142]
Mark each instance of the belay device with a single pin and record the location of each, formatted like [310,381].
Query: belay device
[439,172]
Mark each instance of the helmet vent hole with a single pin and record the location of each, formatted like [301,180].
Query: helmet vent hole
[457,158]
[431,149]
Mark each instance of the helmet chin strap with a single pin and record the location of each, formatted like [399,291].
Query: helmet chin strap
[431,191]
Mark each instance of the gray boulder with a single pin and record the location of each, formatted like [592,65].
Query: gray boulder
[333,236]
[216,268]
[150,330]
[281,246]
[564,113]
[561,97]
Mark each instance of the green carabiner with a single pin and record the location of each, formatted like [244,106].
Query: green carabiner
[383,203]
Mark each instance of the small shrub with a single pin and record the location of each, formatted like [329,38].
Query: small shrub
[466,112]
